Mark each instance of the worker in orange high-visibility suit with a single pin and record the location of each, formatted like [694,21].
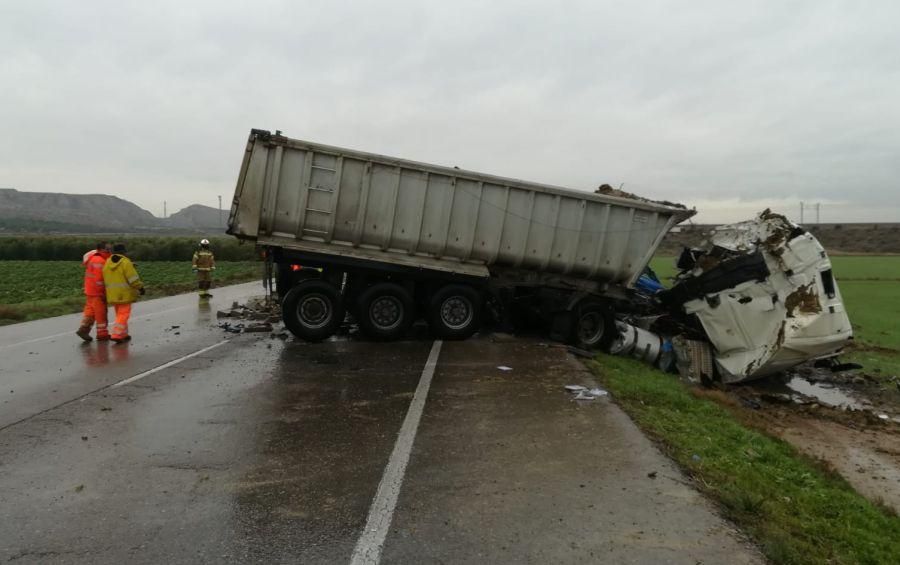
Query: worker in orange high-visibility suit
[95,293]
[123,285]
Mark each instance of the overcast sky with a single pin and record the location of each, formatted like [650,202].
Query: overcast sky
[726,106]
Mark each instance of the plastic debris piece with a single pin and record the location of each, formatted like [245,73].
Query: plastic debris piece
[883,416]
[575,388]
[584,395]
[598,392]
[504,368]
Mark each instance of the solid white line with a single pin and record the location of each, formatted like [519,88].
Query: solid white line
[38,339]
[368,548]
[140,376]
[46,337]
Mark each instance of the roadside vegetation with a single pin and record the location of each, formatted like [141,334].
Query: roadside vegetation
[39,289]
[794,508]
[140,248]
[797,509]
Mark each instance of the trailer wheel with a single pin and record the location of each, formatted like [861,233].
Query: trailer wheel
[594,327]
[385,311]
[313,310]
[455,312]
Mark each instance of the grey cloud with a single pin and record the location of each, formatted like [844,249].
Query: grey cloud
[698,102]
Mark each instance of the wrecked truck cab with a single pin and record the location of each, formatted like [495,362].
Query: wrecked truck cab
[765,294]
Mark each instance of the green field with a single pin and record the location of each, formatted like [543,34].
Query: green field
[38,289]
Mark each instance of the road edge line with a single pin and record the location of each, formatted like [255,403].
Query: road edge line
[381,512]
[164,366]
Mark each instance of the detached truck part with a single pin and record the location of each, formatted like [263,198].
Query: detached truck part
[393,241]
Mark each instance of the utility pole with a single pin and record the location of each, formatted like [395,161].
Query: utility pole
[164,210]
[801,213]
[220,210]
[818,204]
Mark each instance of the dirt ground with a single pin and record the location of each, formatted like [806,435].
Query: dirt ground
[848,421]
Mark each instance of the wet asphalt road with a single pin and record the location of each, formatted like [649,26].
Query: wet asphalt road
[259,450]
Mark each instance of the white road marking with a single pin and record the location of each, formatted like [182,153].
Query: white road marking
[368,548]
[123,382]
[38,339]
[140,376]
[46,337]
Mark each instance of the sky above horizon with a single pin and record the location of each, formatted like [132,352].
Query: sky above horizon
[726,107]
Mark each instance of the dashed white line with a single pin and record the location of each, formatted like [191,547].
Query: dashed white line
[140,376]
[368,548]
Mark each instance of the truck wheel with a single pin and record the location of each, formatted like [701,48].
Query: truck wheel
[386,311]
[455,312]
[313,310]
[594,327]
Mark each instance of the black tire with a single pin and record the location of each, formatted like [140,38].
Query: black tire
[594,326]
[385,311]
[454,312]
[313,310]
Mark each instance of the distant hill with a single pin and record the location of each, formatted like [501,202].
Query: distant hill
[198,216]
[53,212]
[98,211]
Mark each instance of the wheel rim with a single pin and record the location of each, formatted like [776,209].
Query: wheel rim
[457,312]
[386,312]
[314,311]
[590,328]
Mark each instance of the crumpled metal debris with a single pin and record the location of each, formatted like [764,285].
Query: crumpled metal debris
[759,294]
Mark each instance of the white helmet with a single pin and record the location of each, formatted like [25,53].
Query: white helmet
[204,242]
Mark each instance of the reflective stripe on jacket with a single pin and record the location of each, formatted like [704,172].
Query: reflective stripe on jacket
[203,260]
[121,280]
[93,272]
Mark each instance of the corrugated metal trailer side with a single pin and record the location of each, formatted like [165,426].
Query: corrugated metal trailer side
[330,200]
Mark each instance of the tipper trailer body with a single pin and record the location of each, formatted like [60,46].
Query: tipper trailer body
[393,240]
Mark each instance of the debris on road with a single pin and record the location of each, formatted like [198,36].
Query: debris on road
[258,315]
[583,393]
[504,368]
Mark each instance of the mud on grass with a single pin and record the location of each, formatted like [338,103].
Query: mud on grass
[797,509]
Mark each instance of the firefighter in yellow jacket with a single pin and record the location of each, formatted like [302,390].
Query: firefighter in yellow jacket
[204,263]
[123,285]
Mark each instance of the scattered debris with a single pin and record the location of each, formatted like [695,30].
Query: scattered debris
[652,474]
[583,393]
[504,368]
[257,316]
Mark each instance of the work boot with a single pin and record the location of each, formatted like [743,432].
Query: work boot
[85,334]
[122,339]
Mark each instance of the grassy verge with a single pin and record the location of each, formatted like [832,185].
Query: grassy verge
[30,290]
[796,510]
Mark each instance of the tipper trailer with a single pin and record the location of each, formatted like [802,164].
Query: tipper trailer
[392,241]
